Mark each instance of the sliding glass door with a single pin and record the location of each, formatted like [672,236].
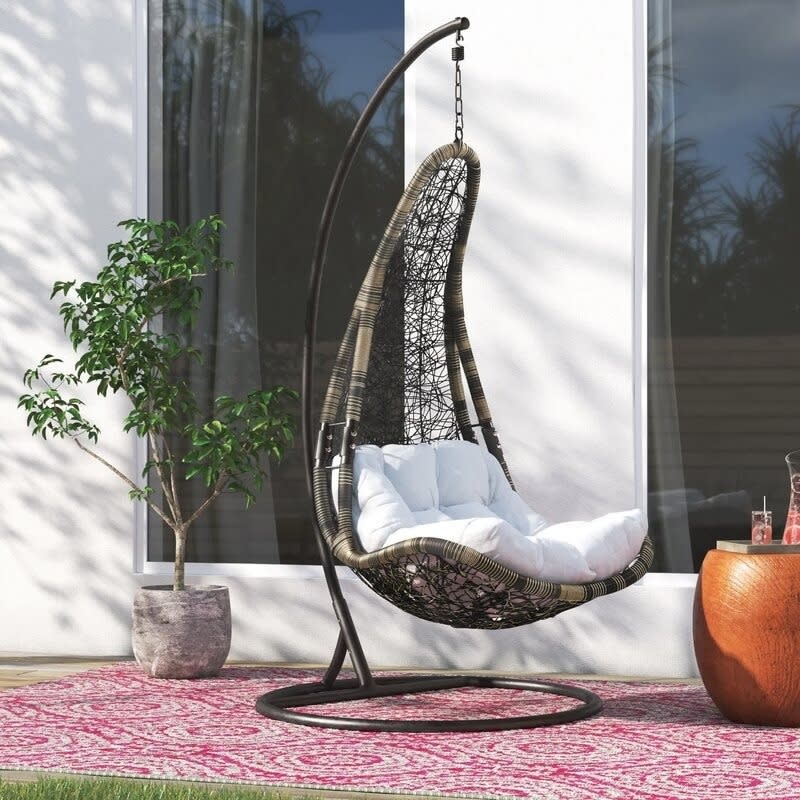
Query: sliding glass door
[251,104]
[724,283]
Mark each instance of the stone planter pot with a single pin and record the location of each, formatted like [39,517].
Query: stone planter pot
[185,634]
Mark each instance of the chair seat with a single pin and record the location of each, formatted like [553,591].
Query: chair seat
[457,491]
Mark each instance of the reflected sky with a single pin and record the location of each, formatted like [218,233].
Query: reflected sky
[736,62]
[373,30]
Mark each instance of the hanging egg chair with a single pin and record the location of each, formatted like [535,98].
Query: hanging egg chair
[397,425]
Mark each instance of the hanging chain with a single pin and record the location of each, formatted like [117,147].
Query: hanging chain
[458,56]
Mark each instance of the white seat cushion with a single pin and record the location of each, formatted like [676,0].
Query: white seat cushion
[457,491]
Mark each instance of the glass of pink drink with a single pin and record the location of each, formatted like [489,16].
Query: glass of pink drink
[791,533]
[761,527]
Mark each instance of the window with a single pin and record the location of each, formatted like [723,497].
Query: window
[251,104]
[723,279]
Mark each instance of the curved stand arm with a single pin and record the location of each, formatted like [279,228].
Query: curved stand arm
[326,222]
[348,637]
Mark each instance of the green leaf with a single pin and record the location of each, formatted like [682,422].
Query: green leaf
[155,270]
[140,494]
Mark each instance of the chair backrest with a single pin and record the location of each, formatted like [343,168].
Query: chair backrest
[398,373]
[397,377]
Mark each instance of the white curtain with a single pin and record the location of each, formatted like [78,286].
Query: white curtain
[668,499]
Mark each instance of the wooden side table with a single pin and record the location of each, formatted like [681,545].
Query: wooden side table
[747,632]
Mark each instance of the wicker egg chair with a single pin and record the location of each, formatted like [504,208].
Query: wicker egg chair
[397,379]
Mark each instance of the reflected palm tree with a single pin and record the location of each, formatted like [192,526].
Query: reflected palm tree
[698,242]
[727,256]
[765,239]
[302,132]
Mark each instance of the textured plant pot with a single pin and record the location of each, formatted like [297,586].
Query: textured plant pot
[185,634]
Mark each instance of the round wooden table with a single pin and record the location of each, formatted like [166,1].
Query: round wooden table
[747,635]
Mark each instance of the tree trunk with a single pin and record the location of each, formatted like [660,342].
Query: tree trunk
[180,559]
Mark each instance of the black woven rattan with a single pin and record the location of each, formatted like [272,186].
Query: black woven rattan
[426,247]
[453,593]
[407,397]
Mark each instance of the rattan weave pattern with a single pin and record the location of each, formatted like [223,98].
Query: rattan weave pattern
[451,592]
[398,378]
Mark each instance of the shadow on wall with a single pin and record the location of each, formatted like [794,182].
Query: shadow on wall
[611,635]
[66,150]
[548,286]
[66,167]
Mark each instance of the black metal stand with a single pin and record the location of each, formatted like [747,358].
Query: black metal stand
[276,704]
[365,686]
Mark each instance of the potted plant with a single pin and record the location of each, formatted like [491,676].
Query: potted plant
[113,323]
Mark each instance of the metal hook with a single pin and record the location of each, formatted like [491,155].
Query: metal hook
[457,54]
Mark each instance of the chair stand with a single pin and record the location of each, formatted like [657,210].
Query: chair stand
[278,704]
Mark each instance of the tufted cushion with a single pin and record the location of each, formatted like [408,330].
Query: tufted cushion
[457,491]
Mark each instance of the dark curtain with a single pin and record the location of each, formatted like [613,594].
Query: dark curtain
[212,53]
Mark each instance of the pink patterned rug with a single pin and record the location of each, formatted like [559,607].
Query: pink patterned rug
[651,742]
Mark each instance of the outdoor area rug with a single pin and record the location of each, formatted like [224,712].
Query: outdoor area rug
[653,741]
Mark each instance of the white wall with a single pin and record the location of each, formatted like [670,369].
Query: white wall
[548,279]
[548,286]
[552,286]
[67,150]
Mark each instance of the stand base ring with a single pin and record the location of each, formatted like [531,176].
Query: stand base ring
[277,704]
